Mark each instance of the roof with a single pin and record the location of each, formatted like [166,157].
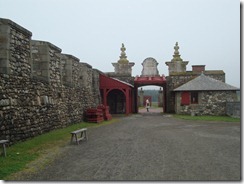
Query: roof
[112,83]
[126,83]
[205,83]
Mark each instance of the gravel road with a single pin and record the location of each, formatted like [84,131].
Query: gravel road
[151,146]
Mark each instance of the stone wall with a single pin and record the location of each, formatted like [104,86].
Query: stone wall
[233,109]
[41,89]
[209,103]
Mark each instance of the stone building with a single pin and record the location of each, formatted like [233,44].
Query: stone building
[204,95]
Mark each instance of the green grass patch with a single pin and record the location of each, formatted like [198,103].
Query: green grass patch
[21,154]
[208,118]
[154,104]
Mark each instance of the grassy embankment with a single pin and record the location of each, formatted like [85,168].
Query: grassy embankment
[208,118]
[21,154]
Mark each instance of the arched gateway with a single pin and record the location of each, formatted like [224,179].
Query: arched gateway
[149,76]
[119,88]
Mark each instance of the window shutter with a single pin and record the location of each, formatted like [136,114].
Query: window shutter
[185,98]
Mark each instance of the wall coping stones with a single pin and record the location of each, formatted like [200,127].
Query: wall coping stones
[72,57]
[52,46]
[100,72]
[15,26]
[86,64]
[207,72]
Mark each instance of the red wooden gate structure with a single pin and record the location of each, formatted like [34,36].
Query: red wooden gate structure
[154,80]
[116,94]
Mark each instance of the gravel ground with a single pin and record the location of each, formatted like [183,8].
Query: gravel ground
[150,146]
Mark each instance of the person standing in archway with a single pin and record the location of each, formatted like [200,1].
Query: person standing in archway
[147,105]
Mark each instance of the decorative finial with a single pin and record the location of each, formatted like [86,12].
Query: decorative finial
[123,57]
[176,47]
[123,48]
[176,56]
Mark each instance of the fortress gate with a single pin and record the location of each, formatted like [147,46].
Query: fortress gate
[149,76]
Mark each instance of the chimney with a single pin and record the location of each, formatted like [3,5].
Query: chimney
[198,68]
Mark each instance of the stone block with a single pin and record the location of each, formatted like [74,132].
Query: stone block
[4,29]
[13,102]
[4,53]
[4,102]
[45,57]
[38,100]
[5,70]
[4,62]
[4,41]
[45,100]
[43,65]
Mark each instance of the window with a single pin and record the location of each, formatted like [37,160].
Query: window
[194,97]
[185,98]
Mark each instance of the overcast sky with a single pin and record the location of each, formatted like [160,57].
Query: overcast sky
[208,31]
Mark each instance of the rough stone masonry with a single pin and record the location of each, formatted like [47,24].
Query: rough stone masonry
[41,89]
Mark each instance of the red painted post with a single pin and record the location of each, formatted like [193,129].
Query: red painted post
[135,99]
[105,97]
[130,102]
[127,110]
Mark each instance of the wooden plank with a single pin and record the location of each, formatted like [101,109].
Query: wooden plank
[80,130]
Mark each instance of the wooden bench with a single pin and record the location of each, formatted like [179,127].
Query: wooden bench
[79,135]
[3,143]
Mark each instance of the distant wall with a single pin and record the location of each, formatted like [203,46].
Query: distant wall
[233,109]
[41,89]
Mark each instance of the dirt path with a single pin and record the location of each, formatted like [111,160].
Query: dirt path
[151,147]
[151,110]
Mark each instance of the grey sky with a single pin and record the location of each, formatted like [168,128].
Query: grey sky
[208,31]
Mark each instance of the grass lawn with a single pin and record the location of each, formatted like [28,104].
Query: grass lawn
[208,118]
[23,153]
